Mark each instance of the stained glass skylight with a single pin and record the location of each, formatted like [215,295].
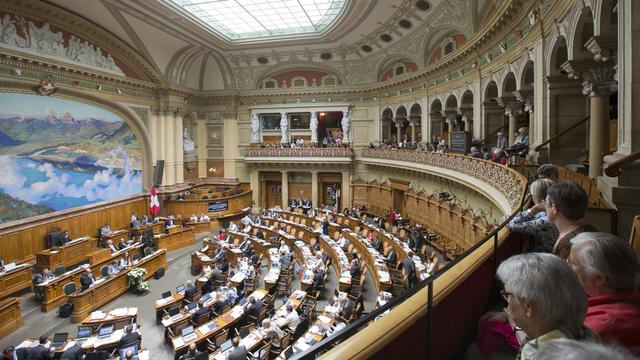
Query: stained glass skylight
[249,19]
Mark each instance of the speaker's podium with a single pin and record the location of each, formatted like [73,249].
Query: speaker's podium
[459,141]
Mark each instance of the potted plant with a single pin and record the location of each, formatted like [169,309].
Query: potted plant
[136,281]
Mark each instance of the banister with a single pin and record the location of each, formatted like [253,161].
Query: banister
[613,169]
[556,136]
[493,133]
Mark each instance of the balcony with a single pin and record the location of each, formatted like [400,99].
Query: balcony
[333,155]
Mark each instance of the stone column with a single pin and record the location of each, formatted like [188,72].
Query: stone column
[154,128]
[413,132]
[399,130]
[179,146]
[162,120]
[314,189]
[598,127]
[169,144]
[512,108]
[254,178]
[346,190]
[285,189]
[201,143]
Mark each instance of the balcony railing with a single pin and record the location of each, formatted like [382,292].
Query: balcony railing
[328,152]
[511,184]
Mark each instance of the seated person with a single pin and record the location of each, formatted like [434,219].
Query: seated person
[122,244]
[346,307]
[271,331]
[43,276]
[260,234]
[239,352]
[111,247]
[129,337]
[204,218]
[42,351]
[65,238]
[377,244]
[608,269]
[318,278]
[189,291]
[289,319]
[191,353]
[221,303]
[135,224]
[169,222]
[75,352]
[114,268]
[583,350]
[220,236]
[336,325]
[145,220]
[342,242]
[534,221]
[193,218]
[548,171]
[105,230]
[224,265]
[86,279]
[125,261]
[285,260]
[202,309]
[254,257]
[253,307]
[392,257]
[246,247]
[222,253]
[233,227]
[355,269]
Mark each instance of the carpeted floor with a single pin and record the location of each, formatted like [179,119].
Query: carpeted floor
[36,323]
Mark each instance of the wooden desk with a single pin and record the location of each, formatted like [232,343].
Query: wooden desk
[163,304]
[115,236]
[201,227]
[96,296]
[157,228]
[53,290]
[15,280]
[214,326]
[93,343]
[113,316]
[10,316]
[72,253]
[177,237]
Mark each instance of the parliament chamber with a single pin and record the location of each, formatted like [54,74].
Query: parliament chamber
[331,179]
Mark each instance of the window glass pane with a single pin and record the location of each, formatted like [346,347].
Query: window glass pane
[270,121]
[299,120]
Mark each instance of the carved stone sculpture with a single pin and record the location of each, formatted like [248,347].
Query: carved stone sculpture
[346,126]
[188,144]
[284,127]
[255,128]
[314,127]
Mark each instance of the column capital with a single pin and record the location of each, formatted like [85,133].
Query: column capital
[526,97]
[511,105]
[599,81]
[602,47]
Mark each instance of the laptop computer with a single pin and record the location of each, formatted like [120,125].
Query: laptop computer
[288,352]
[244,332]
[205,297]
[332,301]
[166,294]
[188,334]
[83,335]
[174,314]
[105,332]
[180,288]
[123,351]
[191,306]
[226,346]
[59,339]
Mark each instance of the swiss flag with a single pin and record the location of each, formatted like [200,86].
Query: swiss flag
[154,204]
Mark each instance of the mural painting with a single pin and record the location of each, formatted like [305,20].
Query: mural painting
[57,154]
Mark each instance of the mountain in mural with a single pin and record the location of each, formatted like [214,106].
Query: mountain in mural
[6,140]
[31,128]
[14,209]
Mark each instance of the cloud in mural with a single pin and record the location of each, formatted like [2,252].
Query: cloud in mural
[104,184]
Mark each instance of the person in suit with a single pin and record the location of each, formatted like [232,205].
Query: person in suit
[420,240]
[111,247]
[346,307]
[239,351]
[392,257]
[318,278]
[289,319]
[87,279]
[43,276]
[191,353]
[41,351]
[355,269]
[228,238]
[253,307]
[145,220]
[220,255]
[129,336]
[189,291]
[105,230]
[114,268]
[224,265]
[246,247]
[285,260]
[409,268]
[135,224]
[233,227]
[254,257]
[125,261]
[169,222]
[122,244]
[325,226]
[260,234]
[221,302]
[377,243]
[65,238]
[8,353]
[202,309]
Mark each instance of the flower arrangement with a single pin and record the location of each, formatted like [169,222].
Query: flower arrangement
[136,280]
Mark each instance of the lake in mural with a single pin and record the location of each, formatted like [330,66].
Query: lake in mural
[56,154]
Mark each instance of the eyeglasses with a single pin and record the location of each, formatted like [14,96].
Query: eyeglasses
[505,294]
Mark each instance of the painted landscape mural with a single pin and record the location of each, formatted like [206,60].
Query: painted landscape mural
[56,154]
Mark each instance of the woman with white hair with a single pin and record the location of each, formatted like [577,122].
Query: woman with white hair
[567,349]
[534,220]
[608,270]
[544,299]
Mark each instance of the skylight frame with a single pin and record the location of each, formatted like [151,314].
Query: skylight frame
[249,20]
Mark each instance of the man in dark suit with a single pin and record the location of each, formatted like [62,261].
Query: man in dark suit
[87,279]
[377,244]
[252,308]
[122,244]
[64,238]
[220,303]
[189,291]
[419,241]
[325,226]
[346,307]
[260,234]
[202,309]
[239,351]
[355,269]
[409,268]
[129,336]
[224,265]
[220,255]
[191,353]
[43,276]
[41,352]
[318,279]
[392,257]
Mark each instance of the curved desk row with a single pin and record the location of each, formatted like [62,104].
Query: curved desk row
[98,295]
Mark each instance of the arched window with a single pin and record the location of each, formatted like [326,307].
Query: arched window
[269,84]
[449,46]
[399,70]
[329,80]
[299,81]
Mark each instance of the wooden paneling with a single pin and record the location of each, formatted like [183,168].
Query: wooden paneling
[185,208]
[67,255]
[15,280]
[299,191]
[10,316]
[175,240]
[20,241]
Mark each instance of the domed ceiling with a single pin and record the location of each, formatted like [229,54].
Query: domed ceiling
[233,44]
